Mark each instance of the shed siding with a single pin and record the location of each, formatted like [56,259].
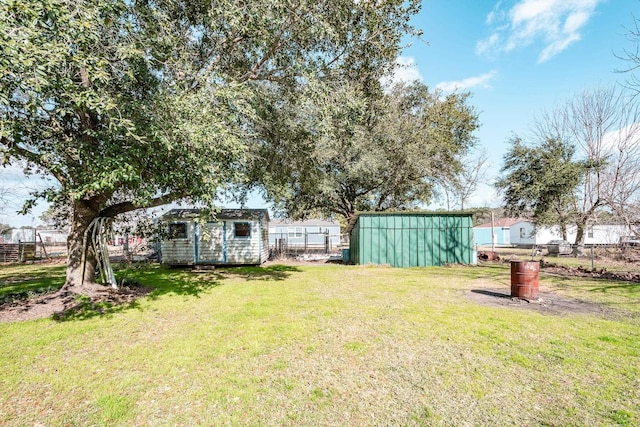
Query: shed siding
[243,250]
[211,243]
[264,241]
[412,239]
[179,251]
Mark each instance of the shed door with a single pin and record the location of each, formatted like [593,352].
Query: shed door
[211,243]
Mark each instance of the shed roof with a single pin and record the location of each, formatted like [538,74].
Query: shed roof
[255,214]
[354,218]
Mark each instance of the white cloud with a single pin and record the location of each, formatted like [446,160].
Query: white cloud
[485,46]
[406,71]
[556,47]
[495,14]
[624,139]
[554,23]
[468,83]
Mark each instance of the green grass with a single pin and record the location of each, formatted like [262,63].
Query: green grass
[19,281]
[325,345]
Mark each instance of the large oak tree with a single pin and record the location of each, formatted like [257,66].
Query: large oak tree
[355,147]
[127,104]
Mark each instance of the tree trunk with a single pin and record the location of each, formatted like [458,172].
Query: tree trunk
[563,230]
[81,258]
[578,249]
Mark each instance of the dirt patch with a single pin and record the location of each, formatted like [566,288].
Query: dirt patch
[62,305]
[486,293]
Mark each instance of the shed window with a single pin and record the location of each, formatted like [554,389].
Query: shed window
[241,229]
[590,232]
[178,230]
[523,233]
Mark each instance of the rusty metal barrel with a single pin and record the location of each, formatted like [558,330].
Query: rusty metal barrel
[524,279]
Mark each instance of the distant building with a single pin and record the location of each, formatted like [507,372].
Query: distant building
[312,235]
[523,232]
[38,235]
[22,235]
[51,236]
[482,234]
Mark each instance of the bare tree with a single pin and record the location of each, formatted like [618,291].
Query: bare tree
[603,125]
[6,194]
[622,174]
[458,189]
[473,172]
[631,57]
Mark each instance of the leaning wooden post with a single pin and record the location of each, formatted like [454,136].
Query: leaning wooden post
[493,236]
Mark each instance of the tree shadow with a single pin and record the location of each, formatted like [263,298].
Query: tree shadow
[85,308]
[163,281]
[595,284]
[632,288]
[136,281]
[491,293]
[277,272]
[29,283]
[193,281]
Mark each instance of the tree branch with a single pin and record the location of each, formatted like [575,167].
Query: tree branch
[123,207]
[272,49]
[34,158]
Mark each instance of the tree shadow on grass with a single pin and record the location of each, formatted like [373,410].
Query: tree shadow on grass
[84,308]
[491,293]
[26,284]
[162,280]
[136,281]
[193,281]
[597,285]
[629,288]
[276,272]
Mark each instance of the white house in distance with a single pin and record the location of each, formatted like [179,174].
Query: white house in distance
[524,233]
[38,235]
[235,237]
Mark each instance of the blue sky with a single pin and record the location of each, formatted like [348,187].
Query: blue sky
[518,58]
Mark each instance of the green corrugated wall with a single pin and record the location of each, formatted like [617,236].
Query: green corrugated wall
[412,239]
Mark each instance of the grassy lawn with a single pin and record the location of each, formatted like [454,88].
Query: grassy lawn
[324,345]
[21,281]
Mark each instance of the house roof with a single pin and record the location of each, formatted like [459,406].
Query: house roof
[256,214]
[502,223]
[306,223]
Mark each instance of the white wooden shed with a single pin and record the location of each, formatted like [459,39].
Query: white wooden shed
[234,237]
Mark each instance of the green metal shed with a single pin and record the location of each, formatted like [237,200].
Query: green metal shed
[411,239]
